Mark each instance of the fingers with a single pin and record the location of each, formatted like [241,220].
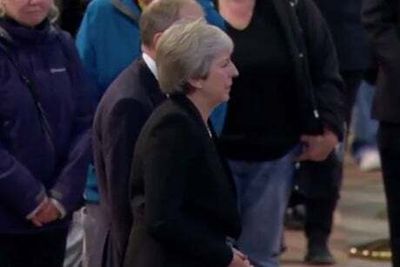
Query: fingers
[331,136]
[305,138]
[316,148]
[248,264]
[239,259]
[305,153]
[36,222]
[303,156]
[47,214]
[240,254]
[314,154]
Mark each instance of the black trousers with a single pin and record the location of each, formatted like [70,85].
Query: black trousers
[325,177]
[321,182]
[389,148]
[44,249]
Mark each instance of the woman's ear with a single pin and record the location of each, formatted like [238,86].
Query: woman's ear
[196,83]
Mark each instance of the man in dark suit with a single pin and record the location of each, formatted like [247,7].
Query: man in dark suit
[122,112]
[382,21]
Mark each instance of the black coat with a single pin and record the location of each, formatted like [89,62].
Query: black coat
[120,116]
[344,20]
[319,87]
[318,84]
[382,21]
[187,192]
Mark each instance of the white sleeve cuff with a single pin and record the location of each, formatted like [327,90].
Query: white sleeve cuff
[59,207]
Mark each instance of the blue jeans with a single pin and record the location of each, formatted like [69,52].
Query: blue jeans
[364,127]
[263,192]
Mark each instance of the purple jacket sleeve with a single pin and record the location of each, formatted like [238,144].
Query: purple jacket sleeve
[69,187]
[19,190]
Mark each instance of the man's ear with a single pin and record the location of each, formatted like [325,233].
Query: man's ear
[156,37]
[196,83]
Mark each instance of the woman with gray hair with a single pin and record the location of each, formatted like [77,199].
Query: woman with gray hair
[45,117]
[182,194]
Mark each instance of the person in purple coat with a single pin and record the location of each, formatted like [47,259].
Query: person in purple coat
[45,117]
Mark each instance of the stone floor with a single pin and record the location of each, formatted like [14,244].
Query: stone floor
[360,218]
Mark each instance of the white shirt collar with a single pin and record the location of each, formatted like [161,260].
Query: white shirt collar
[151,64]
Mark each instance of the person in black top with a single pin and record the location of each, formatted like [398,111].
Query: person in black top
[182,194]
[285,105]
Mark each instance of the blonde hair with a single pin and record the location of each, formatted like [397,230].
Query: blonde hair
[185,51]
[52,15]
[159,16]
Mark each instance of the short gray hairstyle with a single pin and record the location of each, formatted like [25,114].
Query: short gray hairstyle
[185,51]
[159,16]
[52,16]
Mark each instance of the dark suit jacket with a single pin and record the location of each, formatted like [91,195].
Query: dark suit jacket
[184,191]
[122,112]
[382,21]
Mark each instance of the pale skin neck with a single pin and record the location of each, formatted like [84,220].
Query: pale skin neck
[149,51]
[237,13]
[203,105]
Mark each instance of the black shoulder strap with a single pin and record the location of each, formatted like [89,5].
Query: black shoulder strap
[5,42]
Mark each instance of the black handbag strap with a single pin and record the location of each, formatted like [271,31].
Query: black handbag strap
[6,39]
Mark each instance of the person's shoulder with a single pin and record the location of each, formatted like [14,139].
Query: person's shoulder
[307,6]
[128,81]
[62,35]
[63,39]
[100,10]
[125,88]
[170,113]
[102,18]
[309,14]
[99,5]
